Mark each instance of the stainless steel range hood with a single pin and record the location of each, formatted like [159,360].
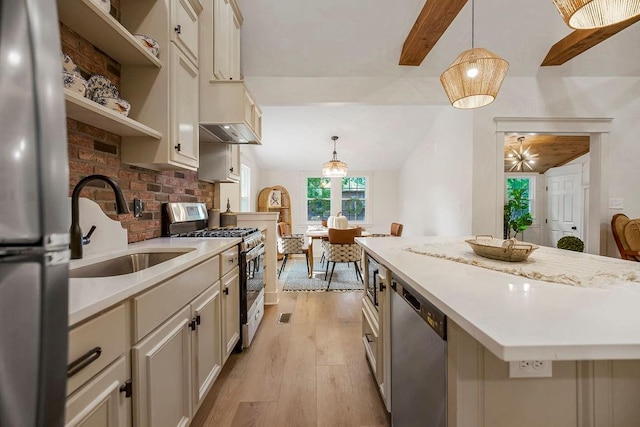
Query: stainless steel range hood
[236,133]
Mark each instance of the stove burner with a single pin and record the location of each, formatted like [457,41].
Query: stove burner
[218,232]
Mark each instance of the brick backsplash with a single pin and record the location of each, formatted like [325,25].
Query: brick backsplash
[95,151]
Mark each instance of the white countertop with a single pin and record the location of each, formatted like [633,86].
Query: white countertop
[93,295]
[517,318]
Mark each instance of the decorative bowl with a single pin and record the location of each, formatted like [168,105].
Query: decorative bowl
[68,65]
[148,43]
[105,5]
[75,83]
[101,87]
[504,250]
[117,104]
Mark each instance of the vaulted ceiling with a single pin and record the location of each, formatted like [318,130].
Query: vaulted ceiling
[325,62]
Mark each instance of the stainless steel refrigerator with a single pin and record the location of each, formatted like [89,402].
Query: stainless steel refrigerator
[34,217]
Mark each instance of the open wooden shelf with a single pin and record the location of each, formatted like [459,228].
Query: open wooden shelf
[103,31]
[86,111]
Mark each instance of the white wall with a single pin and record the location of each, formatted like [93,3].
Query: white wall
[248,156]
[435,181]
[618,98]
[384,196]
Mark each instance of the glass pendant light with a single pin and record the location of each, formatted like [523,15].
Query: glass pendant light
[475,77]
[334,168]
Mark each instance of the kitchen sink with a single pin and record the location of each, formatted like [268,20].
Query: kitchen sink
[125,264]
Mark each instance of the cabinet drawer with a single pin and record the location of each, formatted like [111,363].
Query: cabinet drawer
[370,340]
[157,305]
[95,344]
[228,260]
[100,402]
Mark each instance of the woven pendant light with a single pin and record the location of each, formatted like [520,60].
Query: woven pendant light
[475,77]
[588,14]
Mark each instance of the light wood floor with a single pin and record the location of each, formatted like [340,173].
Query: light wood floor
[310,372]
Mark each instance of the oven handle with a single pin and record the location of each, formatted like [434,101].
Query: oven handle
[254,253]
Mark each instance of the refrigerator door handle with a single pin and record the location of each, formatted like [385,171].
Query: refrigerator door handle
[83,361]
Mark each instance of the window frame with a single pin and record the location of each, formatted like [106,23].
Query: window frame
[245,175]
[336,198]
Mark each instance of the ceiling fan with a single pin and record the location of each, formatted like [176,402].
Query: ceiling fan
[520,157]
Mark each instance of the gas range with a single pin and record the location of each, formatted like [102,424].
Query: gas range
[190,220]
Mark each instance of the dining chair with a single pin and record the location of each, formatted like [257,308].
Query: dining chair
[341,247]
[626,233]
[396,229]
[289,244]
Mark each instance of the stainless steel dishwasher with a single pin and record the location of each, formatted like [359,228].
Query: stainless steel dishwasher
[418,360]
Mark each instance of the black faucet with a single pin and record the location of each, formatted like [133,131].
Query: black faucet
[76,238]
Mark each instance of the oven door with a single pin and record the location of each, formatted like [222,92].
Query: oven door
[253,278]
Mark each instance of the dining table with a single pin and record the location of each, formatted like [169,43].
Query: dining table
[318,232]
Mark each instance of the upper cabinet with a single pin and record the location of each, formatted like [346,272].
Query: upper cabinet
[227,21]
[167,97]
[161,131]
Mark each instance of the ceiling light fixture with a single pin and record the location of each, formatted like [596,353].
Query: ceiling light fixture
[589,14]
[475,77]
[334,168]
[521,158]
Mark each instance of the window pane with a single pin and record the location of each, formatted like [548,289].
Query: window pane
[318,198]
[354,202]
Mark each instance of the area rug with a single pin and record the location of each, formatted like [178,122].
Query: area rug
[296,279]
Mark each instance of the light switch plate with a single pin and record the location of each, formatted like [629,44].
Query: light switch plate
[617,203]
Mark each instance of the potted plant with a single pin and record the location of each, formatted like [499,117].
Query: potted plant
[516,212]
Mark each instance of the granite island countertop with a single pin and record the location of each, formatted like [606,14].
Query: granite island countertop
[518,318]
[89,296]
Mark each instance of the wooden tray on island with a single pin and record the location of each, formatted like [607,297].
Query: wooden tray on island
[503,250]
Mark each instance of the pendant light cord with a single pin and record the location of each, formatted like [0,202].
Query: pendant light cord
[473,15]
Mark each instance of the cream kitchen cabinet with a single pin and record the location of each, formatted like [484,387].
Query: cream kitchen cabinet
[226,21]
[220,162]
[207,344]
[98,385]
[166,98]
[103,401]
[184,21]
[230,300]
[162,374]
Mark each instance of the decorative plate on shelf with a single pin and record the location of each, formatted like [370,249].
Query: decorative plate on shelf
[503,250]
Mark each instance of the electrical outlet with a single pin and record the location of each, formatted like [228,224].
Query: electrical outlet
[530,369]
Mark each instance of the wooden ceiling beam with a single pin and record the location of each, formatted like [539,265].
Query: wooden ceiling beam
[582,40]
[433,21]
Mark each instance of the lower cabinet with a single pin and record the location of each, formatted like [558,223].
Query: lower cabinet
[207,343]
[162,374]
[103,401]
[230,285]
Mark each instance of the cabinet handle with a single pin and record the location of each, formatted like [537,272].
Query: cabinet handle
[198,319]
[178,147]
[178,29]
[231,169]
[83,361]
[126,388]
[226,291]
[367,336]
[192,325]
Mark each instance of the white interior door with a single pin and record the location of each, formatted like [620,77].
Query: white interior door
[564,203]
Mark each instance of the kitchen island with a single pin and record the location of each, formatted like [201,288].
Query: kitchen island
[590,335]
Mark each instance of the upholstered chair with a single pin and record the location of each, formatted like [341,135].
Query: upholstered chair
[290,244]
[396,229]
[626,233]
[341,247]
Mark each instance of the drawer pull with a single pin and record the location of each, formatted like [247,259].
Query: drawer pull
[198,319]
[83,361]
[192,325]
[178,29]
[226,291]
